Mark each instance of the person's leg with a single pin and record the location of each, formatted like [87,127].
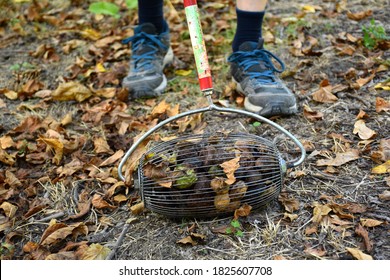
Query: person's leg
[252,67]
[151,51]
[151,11]
[250,14]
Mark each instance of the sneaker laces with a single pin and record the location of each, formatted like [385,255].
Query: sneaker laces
[144,48]
[261,71]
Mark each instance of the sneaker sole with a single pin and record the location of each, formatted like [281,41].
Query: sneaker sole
[271,109]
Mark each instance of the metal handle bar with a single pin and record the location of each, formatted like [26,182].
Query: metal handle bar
[213,107]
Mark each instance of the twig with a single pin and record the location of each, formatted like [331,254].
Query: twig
[49,218]
[118,242]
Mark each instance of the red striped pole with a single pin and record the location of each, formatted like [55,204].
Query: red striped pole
[198,45]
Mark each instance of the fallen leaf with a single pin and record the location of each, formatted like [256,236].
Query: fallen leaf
[359,15]
[137,208]
[187,240]
[317,252]
[385,196]
[112,159]
[361,231]
[340,159]
[319,212]
[101,146]
[363,81]
[292,217]
[67,119]
[290,204]
[160,108]
[357,254]
[362,115]
[243,211]
[95,251]
[382,169]
[61,256]
[312,115]
[11,180]
[71,91]
[6,158]
[370,222]
[10,94]
[381,105]
[9,209]
[99,202]
[279,258]
[229,167]
[58,147]
[59,231]
[324,95]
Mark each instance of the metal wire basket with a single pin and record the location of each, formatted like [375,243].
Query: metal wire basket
[213,173]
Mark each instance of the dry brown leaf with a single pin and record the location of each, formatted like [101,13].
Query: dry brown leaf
[11,180]
[71,91]
[61,256]
[362,115]
[95,251]
[187,240]
[311,229]
[112,159]
[385,196]
[160,108]
[101,146]
[28,125]
[137,208]
[58,147]
[133,160]
[370,222]
[316,252]
[339,137]
[292,217]
[325,95]
[105,92]
[312,115]
[10,94]
[67,119]
[279,258]
[243,211]
[358,254]
[362,81]
[381,105]
[99,202]
[6,158]
[340,159]
[361,231]
[359,15]
[229,167]
[319,212]
[59,231]
[290,204]
[9,209]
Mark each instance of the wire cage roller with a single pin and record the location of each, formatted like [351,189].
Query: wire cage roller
[213,173]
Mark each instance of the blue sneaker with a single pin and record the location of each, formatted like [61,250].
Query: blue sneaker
[253,72]
[151,52]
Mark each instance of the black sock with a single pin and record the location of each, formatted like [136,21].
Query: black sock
[152,11]
[249,25]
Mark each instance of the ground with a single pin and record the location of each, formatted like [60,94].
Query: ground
[66,123]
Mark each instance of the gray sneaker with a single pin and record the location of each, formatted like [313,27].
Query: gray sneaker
[253,71]
[151,52]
